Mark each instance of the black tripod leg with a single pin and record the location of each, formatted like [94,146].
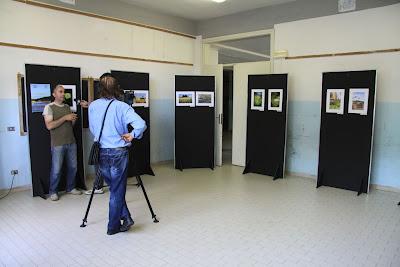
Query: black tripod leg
[153,216]
[84,221]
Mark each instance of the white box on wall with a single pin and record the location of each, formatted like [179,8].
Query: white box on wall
[346,5]
[71,2]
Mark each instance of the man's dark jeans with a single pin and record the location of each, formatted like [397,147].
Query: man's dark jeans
[114,167]
[58,154]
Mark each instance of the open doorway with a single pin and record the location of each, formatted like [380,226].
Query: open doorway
[227,115]
[231,59]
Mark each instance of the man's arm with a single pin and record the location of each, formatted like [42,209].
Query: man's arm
[53,124]
[84,103]
[74,121]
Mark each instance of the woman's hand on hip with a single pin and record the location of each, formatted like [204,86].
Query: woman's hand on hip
[127,137]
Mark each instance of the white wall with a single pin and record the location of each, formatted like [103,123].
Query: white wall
[268,16]
[20,23]
[25,24]
[371,29]
[376,28]
[131,12]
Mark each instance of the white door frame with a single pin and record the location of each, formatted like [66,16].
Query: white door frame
[231,37]
[210,52]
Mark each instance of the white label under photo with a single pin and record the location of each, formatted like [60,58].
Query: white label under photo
[275,99]
[70,96]
[358,101]
[185,99]
[335,101]
[204,99]
[257,99]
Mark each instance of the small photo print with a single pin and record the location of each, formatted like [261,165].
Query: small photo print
[70,96]
[275,99]
[335,101]
[257,99]
[358,101]
[129,96]
[40,96]
[204,99]
[141,98]
[185,99]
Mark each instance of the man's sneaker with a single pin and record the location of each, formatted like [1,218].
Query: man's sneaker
[96,191]
[75,192]
[54,197]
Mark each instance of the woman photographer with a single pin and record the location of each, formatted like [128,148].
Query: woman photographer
[114,142]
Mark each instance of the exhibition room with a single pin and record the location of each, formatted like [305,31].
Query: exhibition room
[200,133]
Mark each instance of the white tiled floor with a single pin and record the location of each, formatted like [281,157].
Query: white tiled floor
[208,218]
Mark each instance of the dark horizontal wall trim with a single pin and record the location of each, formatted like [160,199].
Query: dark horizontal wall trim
[393,50]
[89,54]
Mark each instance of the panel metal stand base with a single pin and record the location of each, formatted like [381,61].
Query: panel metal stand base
[360,191]
[319,179]
[179,166]
[276,176]
[246,168]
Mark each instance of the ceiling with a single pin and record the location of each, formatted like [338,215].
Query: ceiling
[226,56]
[260,45]
[203,9]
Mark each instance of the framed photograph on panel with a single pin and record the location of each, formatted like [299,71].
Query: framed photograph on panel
[335,101]
[185,99]
[358,101]
[275,98]
[257,99]
[129,95]
[141,98]
[40,96]
[70,96]
[204,99]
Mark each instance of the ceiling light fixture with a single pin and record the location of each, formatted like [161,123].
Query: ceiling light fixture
[219,1]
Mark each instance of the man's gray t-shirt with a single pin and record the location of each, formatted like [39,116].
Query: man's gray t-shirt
[63,134]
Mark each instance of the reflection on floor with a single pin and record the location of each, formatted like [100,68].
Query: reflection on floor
[208,218]
[227,147]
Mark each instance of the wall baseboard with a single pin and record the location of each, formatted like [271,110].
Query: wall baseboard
[372,186]
[167,162]
[164,162]
[16,189]
[385,188]
[302,175]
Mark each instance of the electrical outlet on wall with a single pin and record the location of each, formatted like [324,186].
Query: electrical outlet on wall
[71,2]
[346,5]
[11,129]
[14,172]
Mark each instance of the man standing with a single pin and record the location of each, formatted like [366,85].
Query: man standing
[59,121]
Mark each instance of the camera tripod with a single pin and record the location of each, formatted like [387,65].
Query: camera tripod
[95,185]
